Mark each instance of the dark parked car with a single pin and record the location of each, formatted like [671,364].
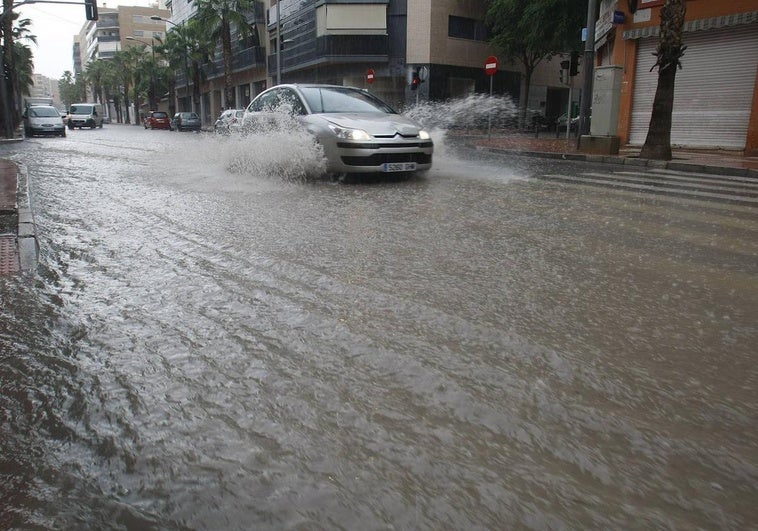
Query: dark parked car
[157,120]
[186,121]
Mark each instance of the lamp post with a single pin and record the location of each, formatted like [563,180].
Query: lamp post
[151,95]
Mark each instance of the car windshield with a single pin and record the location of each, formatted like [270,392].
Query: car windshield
[44,112]
[159,115]
[188,115]
[81,109]
[338,99]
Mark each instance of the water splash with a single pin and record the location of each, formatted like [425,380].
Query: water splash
[278,146]
[476,111]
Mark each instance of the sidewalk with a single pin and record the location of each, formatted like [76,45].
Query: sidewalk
[18,239]
[719,162]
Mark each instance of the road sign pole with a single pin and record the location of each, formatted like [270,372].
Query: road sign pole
[489,117]
[490,68]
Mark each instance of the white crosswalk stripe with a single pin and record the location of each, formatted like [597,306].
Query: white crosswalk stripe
[731,189]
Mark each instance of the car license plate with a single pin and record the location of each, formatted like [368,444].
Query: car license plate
[398,166]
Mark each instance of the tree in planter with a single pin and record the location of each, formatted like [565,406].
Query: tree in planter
[670,51]
[531,31]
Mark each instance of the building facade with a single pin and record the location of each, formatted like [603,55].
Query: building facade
[102,38]
[716,91]
[339,41]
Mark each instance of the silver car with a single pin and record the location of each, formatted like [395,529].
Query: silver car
[43,120]
[358,132]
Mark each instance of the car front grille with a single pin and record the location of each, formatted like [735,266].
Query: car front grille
[393,145]
[378,159]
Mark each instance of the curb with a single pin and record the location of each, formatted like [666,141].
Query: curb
[626,161]
[28,244]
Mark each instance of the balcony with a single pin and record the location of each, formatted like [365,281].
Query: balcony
[249,58]
[332,49]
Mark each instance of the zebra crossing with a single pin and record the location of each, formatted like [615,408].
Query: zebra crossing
[701,186]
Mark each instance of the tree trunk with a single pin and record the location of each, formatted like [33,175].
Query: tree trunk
[670,50]
[658,142]
[226,44]
[6,70]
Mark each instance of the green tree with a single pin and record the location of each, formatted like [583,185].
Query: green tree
[23,59]
[669,54]
[94,74]
[187,47]
[531,31]
[217,18]
[10,117]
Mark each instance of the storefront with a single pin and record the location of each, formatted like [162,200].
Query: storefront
[714,90]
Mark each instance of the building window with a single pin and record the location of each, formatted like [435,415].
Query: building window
[139,33]
[466,28]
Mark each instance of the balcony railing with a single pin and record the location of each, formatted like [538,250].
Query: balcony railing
[254,57]
[331,49]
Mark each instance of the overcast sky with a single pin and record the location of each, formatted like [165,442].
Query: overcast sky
[55,27]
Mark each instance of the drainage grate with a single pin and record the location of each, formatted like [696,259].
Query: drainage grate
[9,262]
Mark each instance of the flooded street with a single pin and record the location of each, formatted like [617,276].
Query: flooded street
[212,341]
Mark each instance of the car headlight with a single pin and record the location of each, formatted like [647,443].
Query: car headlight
[349,134]
[423,135]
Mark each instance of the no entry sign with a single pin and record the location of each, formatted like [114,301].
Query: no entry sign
[490,66]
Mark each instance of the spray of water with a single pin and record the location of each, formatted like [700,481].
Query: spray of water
[474,112]
[279,146]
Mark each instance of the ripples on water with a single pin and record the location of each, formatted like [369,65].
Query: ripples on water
[207,347]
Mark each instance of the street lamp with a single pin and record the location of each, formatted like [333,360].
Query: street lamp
[151,96]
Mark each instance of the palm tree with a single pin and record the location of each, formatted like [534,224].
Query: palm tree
[94,73]
[9,116]
[669,54]
[188,47]
[217,17]
[23,59]
[125,61]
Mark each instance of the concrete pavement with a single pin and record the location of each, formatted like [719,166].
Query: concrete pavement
[715,162]
[19,249]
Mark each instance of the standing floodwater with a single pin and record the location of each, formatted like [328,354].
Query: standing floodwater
[209,343]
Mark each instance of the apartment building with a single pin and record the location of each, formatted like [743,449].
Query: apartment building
[102,38]
[339,41]
[716,93]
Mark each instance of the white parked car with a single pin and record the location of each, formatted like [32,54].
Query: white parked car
[229,121]
[359,133]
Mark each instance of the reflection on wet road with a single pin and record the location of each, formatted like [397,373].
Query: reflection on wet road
[208,346]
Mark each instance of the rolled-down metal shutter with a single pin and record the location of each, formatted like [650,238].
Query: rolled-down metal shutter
[713,92]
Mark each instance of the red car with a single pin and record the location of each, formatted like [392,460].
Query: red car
[157,120]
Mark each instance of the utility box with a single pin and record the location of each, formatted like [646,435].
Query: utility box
[606,98]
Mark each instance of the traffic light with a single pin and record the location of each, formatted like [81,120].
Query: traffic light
[90,9]
[564,72]
[415,81]
[574,67]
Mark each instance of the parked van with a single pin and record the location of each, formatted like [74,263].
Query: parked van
[85,115]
